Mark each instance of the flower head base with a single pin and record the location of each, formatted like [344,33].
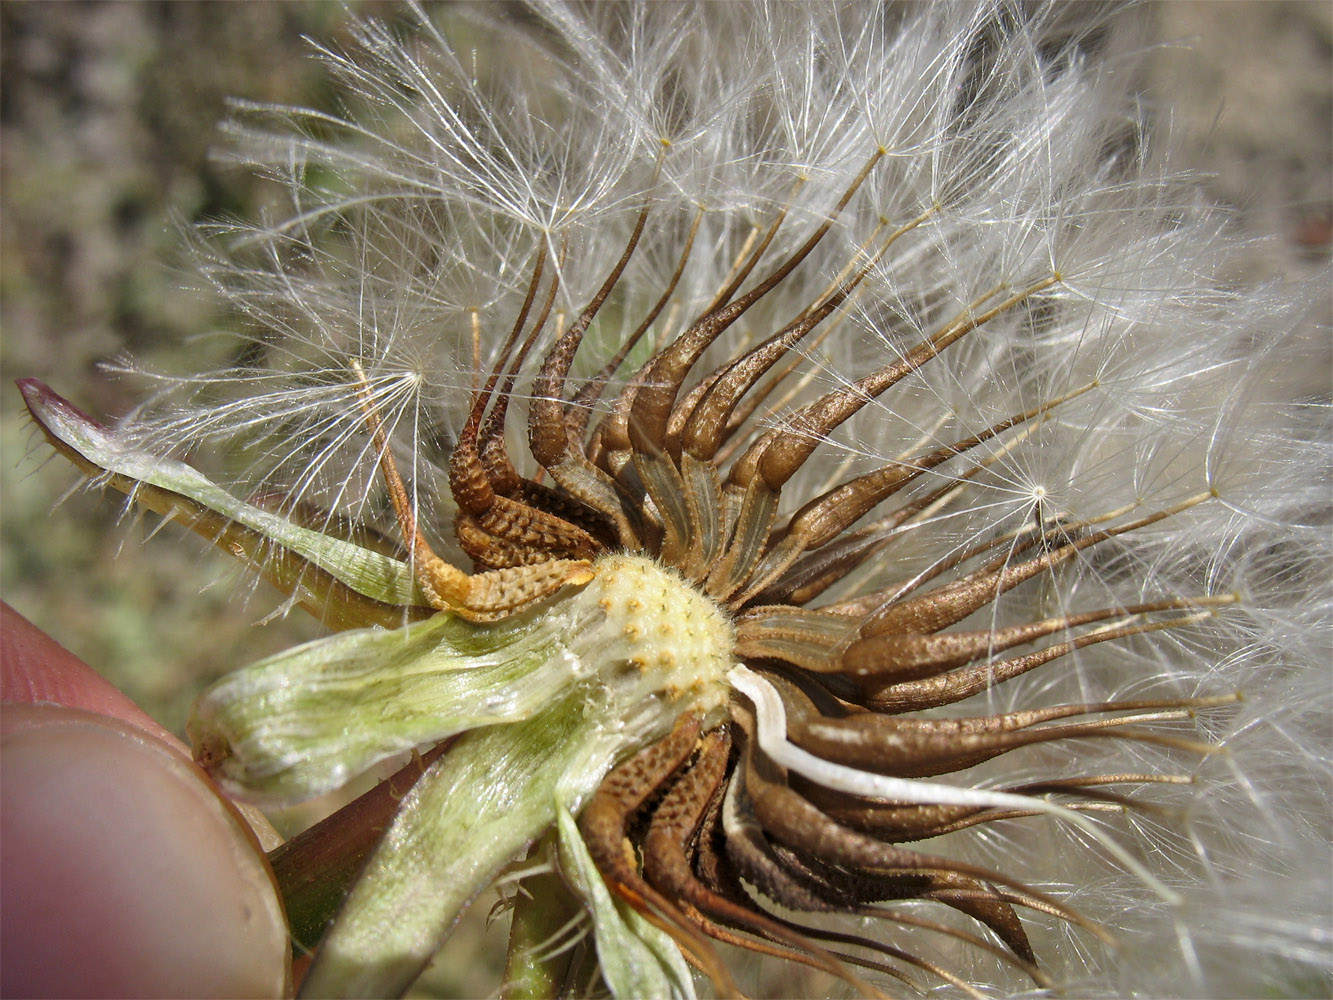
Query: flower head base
[634,638]
[779,405]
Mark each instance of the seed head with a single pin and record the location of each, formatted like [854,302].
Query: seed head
[809,463]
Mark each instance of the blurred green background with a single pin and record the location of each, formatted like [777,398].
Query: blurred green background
[108,113]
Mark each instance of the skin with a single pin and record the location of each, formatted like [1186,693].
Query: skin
[124,871]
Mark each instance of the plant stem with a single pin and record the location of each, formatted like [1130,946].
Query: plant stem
[314,868]
[535,969]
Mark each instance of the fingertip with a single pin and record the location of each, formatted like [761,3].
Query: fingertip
[35,668]
[122,871]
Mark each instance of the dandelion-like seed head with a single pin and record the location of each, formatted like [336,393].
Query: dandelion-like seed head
[805,466]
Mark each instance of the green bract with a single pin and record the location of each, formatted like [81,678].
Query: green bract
[306,720]
[637,959]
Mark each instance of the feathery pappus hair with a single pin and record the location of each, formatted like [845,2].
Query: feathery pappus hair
[806,471]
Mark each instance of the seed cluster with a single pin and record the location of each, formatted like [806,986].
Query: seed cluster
[685,474]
